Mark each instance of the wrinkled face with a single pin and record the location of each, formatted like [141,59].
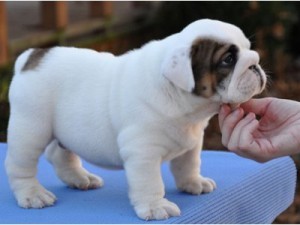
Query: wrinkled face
[212,59]
[223,70]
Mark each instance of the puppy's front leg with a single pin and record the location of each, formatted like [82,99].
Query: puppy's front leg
[146,189]
[186,170]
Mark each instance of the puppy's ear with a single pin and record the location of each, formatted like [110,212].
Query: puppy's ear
[177,68]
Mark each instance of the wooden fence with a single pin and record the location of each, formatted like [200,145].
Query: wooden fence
[54,16]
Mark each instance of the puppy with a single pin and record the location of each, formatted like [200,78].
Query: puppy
[132,111]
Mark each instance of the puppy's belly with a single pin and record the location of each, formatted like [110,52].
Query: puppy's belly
[102,154]
[89,134]
[98,148]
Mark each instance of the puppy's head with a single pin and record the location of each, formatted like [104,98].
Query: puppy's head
[214,60]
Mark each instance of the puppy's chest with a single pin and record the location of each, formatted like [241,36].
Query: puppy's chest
[183,140]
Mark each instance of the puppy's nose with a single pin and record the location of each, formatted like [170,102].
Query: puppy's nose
[255,69]
[258,73]
[252,67]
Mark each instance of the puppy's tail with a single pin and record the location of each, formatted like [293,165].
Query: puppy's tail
[21,61]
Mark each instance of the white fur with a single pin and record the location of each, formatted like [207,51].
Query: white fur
[132,111]
[177,68]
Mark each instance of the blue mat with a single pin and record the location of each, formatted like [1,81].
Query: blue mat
[248,192]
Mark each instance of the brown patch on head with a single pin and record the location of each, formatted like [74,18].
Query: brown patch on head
[206,85]
[35,58]
[212,61]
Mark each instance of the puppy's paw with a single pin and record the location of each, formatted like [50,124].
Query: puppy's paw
[158,210]
[81,179]
[198,185]
[35,197]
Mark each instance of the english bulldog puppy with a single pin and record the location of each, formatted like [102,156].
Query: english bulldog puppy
[133,111]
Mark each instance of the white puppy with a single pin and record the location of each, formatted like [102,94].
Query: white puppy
[132,111]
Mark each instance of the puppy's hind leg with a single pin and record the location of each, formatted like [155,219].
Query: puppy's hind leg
[69,168]
[26,142]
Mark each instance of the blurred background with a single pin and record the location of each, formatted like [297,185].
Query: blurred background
[272,27]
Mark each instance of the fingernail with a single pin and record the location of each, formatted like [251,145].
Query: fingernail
[236,112]
[251,115]
[222,110]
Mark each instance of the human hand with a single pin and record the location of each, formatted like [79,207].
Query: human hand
[275,134]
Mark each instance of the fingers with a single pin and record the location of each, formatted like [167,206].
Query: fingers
[228,121]
[243,142]
[247,139]
[242,135]
[238,132]
[224,112]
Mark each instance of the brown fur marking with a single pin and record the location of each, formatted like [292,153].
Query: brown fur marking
[206,56]
[35,58]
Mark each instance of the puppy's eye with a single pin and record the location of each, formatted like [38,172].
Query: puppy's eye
[228,59]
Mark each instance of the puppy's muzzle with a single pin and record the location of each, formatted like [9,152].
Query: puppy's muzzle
[255,69]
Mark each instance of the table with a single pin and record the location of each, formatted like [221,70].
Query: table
[248,192]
